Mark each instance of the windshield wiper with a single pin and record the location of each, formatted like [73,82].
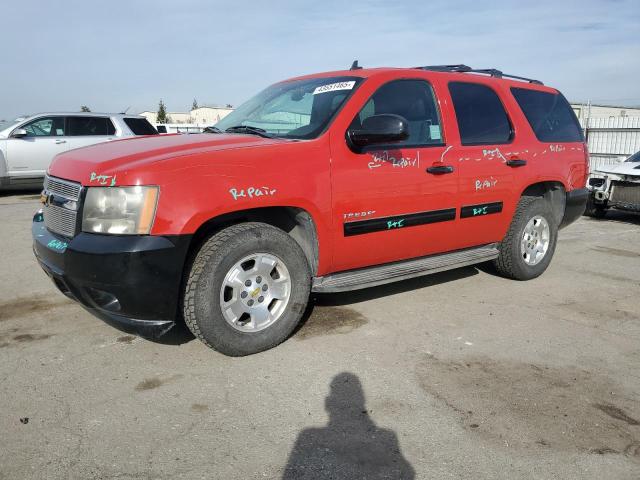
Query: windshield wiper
[212,129]
[249,129]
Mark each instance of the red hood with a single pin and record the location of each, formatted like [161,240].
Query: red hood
[92,165]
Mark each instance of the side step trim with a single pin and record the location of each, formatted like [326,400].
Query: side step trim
[393,272]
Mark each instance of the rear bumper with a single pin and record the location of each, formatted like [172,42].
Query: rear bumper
[130,282]
[574,206]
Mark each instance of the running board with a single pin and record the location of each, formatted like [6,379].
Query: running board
[393,272]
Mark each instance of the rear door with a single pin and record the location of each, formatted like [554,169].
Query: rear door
[30,156]
[88,130]
[490,155]
[386,206]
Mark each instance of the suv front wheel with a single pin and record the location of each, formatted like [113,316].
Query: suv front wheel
[247,289]
[528,246]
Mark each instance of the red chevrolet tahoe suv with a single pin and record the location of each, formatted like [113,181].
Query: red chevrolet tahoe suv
[322,183]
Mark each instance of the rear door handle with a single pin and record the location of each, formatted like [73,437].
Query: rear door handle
[516,162]
[58,142]
[440,169]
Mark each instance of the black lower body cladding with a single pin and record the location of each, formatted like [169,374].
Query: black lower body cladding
[575,206]
[131,282]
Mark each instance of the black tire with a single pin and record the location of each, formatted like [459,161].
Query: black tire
[595,210]
[217,255]
[510,263]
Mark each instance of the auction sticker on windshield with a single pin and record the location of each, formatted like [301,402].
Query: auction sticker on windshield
[334,86]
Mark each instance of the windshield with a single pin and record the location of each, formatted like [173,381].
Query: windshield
[4,124]
[300,109]
[634,158]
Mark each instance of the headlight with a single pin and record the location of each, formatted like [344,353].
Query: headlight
[119,210]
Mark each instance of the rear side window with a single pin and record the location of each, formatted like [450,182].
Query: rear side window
[140,126]
[89,126]
[481,117]
[549,115]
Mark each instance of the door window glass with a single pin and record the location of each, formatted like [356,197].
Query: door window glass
[45,127]
[412,99]
[90,126]
[141,126]
[481,117]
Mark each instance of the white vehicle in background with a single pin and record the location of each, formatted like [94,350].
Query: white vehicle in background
[28,145]
[167,128]
[617,186]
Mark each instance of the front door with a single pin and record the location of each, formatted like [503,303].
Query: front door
[30,156]
[386,206]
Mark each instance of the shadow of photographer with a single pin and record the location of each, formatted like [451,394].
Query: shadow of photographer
[350,446]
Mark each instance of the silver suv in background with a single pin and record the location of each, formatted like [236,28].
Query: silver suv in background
[28,145]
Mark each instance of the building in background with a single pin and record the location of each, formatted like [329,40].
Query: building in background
[587,110]
[201,116]
[612,132]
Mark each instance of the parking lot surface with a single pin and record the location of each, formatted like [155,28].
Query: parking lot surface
[459,375]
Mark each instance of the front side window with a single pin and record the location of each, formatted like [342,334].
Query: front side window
[481,117]
[89,126]
[413,100]
[45,127]
[300,109]
[549,114]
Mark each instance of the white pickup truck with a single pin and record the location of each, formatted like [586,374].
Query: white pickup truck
[28,145]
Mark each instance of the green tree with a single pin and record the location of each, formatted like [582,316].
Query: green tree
[162,116]
[84,108]
[229,105]
[194,105]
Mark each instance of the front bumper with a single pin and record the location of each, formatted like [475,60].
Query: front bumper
[131,282]
[575,206]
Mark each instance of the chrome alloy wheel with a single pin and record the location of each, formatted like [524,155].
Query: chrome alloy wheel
[255,292]
[535,240]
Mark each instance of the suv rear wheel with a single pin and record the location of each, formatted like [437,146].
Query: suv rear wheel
[247,289]
[528,246]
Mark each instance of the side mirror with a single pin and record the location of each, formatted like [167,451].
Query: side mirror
[380,129]
[19,133]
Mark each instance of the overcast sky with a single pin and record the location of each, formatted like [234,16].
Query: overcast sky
[109,55]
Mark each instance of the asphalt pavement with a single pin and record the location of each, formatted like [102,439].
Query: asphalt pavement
[458,375]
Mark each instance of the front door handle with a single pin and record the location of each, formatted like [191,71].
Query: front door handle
[440,169]
[58,142]
[516,162]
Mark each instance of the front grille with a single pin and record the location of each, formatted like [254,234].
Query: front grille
[62,188]
[626,192]
[61,207]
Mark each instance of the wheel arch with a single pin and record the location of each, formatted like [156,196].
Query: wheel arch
[553,192]
[295,221]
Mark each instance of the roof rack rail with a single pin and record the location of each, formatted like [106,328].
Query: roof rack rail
[447,68]
[466,69]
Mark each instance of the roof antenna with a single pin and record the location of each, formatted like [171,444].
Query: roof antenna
[125,111]
[355,66]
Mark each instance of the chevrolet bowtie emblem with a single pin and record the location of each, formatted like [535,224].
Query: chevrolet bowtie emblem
[46,198]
